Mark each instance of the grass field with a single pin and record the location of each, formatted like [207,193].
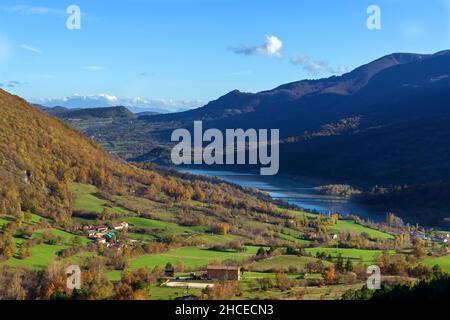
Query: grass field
[136,204]
[41,256]
[192,257]
[87,200]
[164,225]
[443,262]
[297,293]
[282,262]
[249,275]
[34,219]
[217,238]
[353,227]
[167,293]
[293,235]
[365,256]
[296,213]
[68,237]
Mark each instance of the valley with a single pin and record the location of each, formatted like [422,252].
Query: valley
[393,111]
[288,266]
[140,231]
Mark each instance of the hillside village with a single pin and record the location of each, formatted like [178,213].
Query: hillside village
[177,274]
[305,255]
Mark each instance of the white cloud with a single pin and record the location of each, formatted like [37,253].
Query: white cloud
[94,68]
[272,47]
[136,104]
[30,48]
[341,70]
[316,67]
[34,10]
[299,59]
[12,84]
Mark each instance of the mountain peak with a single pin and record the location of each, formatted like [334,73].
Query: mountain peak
[442,53]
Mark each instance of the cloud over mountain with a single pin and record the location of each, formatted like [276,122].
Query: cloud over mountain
[272,47]
[316,67]
[135,104]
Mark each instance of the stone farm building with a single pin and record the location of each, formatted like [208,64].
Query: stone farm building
[224,273]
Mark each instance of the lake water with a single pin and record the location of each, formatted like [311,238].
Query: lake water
[294,192]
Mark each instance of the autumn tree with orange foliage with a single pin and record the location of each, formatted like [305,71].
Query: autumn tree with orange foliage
[329,274]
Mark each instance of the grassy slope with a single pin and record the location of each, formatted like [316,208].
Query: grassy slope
[42,254]
[86,200]
[443,262]
[192,257]
[365,256]
[282,262]
[352,227]
[157,224]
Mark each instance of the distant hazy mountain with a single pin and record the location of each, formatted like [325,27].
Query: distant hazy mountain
[135,105]
[110,112]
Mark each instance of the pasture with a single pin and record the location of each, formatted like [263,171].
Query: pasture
[364,256]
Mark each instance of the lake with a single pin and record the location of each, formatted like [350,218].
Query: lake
[294,192]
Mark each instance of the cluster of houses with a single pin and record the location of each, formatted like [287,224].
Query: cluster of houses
[103,234]
[441,237]
[437,237]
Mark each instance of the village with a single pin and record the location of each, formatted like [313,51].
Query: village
[104,235]
[443,238]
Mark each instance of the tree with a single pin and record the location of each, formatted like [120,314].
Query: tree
[25,252]
[28,232]
[151,191]
[349,265]
[9,247]
[105,215]
[222,228]
[77,241]
[334,218]
[329,274]
[339,264]
[283,282]
[261,252]
[224,290]
[199,195]
[169,268]
[96,286]
[27,215]
[179,267]
[418,250]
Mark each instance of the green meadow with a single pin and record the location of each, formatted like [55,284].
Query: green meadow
[87,200]
[282,262]
[443,262]
[364,256]
[353,227]
[192,257]
[41,256]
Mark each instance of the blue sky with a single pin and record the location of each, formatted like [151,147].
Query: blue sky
[181,53]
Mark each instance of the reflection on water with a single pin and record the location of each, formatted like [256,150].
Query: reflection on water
[294,192]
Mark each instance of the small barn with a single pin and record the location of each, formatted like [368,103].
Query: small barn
[223,273]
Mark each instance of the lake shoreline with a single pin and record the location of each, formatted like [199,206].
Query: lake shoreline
[294,192]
